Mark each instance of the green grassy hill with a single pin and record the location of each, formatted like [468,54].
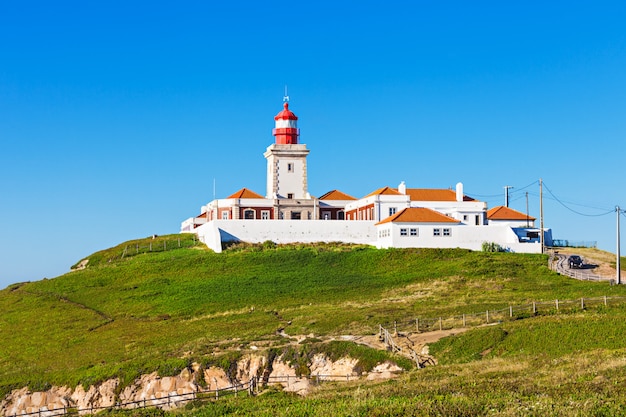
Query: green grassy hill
[132,311]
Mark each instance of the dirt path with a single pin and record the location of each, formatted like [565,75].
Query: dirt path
[417,341]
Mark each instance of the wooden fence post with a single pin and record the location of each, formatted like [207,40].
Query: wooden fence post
[510,311]
[417,325]
[605,300]
[582,303]
[534,308]
[463,320]
[557,305]
[440,324]
[487,316]
[395,327]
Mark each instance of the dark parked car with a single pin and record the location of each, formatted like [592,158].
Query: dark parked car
[575,261]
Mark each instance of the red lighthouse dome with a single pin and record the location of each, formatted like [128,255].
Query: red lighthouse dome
[286,129]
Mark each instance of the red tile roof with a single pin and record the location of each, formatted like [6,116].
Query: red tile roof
[418,215]
[429,194]
[422,194]
[506,213]
[245,193]
[336,195]
[384,191]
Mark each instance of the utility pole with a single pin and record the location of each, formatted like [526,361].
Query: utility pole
[541,214]
[527,216]
[506,195]
[617,262]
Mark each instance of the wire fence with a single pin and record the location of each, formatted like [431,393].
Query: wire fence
[386,333]
[509,313]
[250,387]
[159,245]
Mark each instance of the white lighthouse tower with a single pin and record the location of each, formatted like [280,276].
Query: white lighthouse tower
[286,159]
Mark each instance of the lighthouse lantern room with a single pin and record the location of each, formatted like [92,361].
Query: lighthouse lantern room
[286,130]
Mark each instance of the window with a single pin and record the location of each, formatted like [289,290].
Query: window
[413,232]
[290,196]
[224,215]
[326,215]
[436,232]
[403,232]
[248,214]
[289,167]
[478,220]
[447,232]
[392,211]
[265,214]
[295,215]
[465,217]
[340,215]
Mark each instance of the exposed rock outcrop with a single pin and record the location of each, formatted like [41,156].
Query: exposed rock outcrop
[152,390]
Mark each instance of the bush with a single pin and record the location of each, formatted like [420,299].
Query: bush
[492,247]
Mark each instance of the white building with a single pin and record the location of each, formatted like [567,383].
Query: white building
[387,217]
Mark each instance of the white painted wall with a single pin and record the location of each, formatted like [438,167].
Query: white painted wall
[456,209]
[462,236]
[512,223]
[286,231]
[291,181]
[279,180]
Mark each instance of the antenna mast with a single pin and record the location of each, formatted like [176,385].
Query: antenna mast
[541,237]
[617,261]
[286,96]
[506,195]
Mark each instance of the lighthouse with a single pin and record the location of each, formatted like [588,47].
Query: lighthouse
[286,159]
[286,130]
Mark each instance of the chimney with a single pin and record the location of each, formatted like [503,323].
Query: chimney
[459,191]
[402,188]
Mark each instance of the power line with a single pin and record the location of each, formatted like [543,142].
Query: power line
[571,203]
[517,189]
[566,204]
[575,211]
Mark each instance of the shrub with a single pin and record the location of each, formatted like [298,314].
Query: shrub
[492,247]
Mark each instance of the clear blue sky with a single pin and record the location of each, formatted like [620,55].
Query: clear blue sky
[117,117]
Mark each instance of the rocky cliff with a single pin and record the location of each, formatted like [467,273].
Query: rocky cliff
[168,392]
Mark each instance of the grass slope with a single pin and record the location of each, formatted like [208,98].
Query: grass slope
[130,312]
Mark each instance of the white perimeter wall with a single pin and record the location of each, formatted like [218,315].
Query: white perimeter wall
[286,231]
[463,236]
[364,232]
